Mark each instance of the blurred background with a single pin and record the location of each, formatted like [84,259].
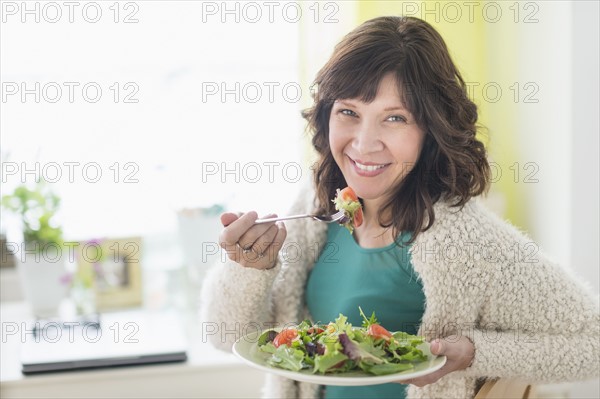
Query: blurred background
[149,118]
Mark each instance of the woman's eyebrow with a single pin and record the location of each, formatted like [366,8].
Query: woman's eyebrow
[392,108]
[395,108]
[347,104]
[387,109]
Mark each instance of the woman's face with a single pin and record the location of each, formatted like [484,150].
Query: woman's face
[375,144]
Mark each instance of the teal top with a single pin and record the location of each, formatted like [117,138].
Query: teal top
[379,280]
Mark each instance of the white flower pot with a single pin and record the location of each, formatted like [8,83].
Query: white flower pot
[43,283]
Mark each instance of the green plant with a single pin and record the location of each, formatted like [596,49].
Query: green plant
[37,208]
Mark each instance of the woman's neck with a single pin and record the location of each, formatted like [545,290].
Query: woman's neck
[371,234]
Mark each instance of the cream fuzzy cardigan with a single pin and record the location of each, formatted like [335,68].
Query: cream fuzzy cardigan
[528,317]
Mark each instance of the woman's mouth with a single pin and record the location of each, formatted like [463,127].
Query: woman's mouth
[368,169]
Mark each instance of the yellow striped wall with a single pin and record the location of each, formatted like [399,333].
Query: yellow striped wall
[484,53]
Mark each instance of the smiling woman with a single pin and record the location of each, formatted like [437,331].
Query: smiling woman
[392,118]
[133,110]
[409,69]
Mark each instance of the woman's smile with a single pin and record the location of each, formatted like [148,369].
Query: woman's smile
[368,169]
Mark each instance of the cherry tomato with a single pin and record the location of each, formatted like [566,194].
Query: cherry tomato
[358,217]
[313,330]
[347,194]
[285,337]
[376,331]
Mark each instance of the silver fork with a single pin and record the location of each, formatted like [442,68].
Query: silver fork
[339,217]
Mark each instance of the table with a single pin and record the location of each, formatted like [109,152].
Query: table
[208,373]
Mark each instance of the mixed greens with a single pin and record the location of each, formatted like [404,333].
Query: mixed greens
[339,347]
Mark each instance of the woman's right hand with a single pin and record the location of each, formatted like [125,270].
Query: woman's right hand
[249,244]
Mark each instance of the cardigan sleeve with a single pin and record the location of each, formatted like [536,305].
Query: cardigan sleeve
[550,328]
[539,322]
[534,356]
[235,301]
[528,317]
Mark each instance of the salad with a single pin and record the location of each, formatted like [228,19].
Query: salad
[339,347]
[346,200]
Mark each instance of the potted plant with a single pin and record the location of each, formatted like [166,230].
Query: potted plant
[41,255]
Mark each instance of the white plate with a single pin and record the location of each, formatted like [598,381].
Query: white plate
[246,348]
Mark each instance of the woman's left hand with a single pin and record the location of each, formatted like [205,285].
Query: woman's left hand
[459,352]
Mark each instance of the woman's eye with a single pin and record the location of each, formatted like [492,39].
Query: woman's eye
[397,118]
[348,112]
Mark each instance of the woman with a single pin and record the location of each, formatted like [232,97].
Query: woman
[392,120]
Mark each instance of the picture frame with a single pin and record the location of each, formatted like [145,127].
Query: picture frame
[115,265]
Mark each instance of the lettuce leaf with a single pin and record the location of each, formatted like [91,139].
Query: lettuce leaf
[342,325]
[359,352]
[266,337]
[385,368]
[324,363]
[268,347]
[287,358]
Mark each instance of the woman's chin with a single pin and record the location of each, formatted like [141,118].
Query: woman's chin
[367,193]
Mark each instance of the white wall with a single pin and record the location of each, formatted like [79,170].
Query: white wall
[585,177]
[560,134]
[585,143]
[544,128]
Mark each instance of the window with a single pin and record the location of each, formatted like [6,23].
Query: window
[153,107]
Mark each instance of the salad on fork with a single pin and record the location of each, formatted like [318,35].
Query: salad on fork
[346,200]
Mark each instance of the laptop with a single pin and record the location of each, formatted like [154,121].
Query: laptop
[113,339]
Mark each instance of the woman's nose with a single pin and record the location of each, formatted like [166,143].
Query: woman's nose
[367,139]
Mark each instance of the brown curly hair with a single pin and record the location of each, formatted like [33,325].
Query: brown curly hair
[452,165]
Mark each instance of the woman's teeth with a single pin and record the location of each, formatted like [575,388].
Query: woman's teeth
[368,168]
